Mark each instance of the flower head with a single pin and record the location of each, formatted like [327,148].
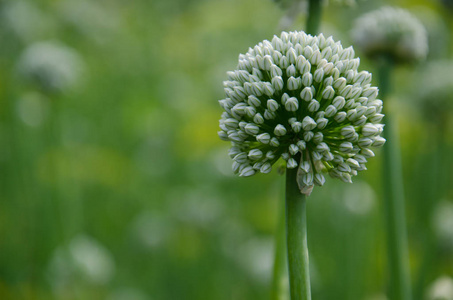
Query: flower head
[393,32]
[301,98]
[51,65]
[436,96]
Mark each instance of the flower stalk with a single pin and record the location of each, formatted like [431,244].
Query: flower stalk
[296,237]
[394,209]
[314,16]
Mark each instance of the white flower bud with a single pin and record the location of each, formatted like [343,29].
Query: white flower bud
[253,101]
[306,94]
[369,130]
[308,135]
[266,168]
[296,126]
[376,118]
[293,149]
[291,164]
[339,83]
[367,152]
[276,71]
[354,164]
[338,102]
[378,141]
[250,111]
[223,135]
[308,123]
[319,179]
[348,131]
[251,129]
[322,123]
[272,105]
[294,83]
[285,156]
[231,123]
[247,171]
[291,71]
[280,130]
[313,106]
[322,147]
[263,138]
[330,111]
[318,75]
[258,119]
[360,121]
[346,147]
[241,157]
[268,115]
[328,93]
[344,167]
[328,156]
[270,155]
[340,117]
[292,104]
[255,154]
[315,58]
[302,145]
[274,142]
[365,142]
[318,137]
[305,166]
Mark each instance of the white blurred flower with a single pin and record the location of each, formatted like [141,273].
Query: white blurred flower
[25,20]
[91,18]
[83,259]
[441,289]
[436,94]
[360,198]
[442,222]
[393,32]
[151,229]
[301,98]
[51,65]
[128,294]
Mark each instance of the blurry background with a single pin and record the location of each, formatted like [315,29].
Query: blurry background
[114,184]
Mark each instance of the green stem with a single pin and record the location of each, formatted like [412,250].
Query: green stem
[296,237]
[314,16]
[394,197]
[279,292]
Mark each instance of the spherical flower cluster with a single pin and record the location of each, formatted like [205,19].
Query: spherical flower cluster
[289,3]
[436,96]
[393,32]
[54,67]
[301,98]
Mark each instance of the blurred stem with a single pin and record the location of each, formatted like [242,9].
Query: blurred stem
[394,196]
[296,237]
[314,16]
[278,290]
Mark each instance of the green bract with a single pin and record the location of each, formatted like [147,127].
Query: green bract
[393,32]
[301,98]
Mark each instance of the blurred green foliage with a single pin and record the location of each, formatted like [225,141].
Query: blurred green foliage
[117,187]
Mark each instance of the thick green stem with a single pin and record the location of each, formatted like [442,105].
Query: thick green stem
[314,16]
[394,211]
[279,290]
[296,237]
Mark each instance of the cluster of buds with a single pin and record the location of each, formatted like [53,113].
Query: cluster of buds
[391,32]
[301,98]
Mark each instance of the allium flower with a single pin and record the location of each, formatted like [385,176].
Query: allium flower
[289,3]
[301,98]
[436,96]
[393,32]
[51,65]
